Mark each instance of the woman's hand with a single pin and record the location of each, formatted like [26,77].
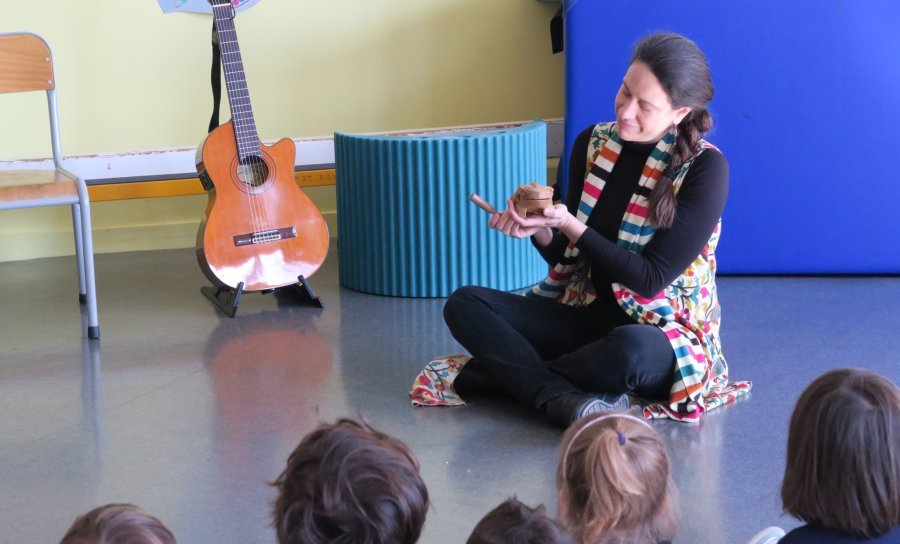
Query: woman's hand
[512,224]
[559,217]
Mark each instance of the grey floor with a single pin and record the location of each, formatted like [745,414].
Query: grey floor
[189,414]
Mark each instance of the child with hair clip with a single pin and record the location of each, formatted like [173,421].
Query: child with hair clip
[614,482]
[116,524]
[516,523]
[843,460]
[346,483]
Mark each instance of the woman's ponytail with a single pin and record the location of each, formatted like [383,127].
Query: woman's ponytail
[683,72]
[662,198]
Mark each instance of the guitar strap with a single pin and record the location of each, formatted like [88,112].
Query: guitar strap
[215,78]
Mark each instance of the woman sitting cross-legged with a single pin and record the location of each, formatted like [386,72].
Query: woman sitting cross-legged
[630,307]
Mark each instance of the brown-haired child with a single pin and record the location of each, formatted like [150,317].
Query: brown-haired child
[118,523]
[516,523]
[843,460]
[614,482]
[347,483]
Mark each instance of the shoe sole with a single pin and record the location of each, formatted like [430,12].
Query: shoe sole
[597,405]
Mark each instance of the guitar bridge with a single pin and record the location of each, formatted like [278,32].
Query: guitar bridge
[264,236]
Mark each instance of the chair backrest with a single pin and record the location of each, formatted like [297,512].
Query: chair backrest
[26,63]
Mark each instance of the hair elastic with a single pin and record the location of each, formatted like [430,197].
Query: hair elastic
[588,424]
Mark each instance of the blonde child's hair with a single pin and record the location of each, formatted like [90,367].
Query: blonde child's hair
[614,482]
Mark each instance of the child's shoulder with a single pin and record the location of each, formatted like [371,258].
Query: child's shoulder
[818,535]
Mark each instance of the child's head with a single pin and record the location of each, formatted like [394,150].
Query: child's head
[116,523]
[843,454]
[348,483]
[614,481]
[515,523]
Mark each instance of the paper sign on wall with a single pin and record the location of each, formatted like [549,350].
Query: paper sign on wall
[200,6]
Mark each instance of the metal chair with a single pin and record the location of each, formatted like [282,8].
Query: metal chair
[26,65]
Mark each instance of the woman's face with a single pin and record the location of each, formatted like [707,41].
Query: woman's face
[643,110]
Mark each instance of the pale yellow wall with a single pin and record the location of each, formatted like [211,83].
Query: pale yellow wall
[132,78]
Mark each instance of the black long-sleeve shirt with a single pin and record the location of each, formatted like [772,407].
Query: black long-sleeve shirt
[700,202]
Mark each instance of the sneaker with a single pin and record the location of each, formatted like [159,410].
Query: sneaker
[769,535]
[566,409]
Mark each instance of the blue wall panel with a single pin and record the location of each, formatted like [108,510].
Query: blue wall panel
[807,110]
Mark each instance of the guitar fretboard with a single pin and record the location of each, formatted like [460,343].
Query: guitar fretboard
[235,82]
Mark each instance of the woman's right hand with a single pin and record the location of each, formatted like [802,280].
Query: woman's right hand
[510,223]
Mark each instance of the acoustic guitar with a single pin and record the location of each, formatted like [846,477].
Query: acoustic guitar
[259,228]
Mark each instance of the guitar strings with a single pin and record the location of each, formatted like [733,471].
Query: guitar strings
[248,138]
[225,41]
[244,136]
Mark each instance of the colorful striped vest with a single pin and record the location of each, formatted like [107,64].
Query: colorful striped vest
[687,311]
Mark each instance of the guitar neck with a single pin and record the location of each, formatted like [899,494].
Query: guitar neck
[235,81]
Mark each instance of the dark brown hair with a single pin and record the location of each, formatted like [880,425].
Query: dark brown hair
[348,483]
[118,524]
[843,454]
[683,72]
[516,523]
[614,482]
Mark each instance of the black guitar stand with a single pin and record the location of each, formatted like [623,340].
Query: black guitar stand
[224,298]
[299,293]
[227,299]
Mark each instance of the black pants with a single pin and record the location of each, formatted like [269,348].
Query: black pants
[536,349]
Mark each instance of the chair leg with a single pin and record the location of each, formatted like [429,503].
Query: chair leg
[79,252]
[87,252]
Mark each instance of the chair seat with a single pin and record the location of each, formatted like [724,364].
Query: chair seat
[36,185]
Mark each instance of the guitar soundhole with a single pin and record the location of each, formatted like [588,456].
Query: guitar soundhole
[252,171]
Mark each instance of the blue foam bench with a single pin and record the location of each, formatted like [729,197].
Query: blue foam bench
[405,224]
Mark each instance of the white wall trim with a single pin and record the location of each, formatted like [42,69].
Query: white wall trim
[313,152]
